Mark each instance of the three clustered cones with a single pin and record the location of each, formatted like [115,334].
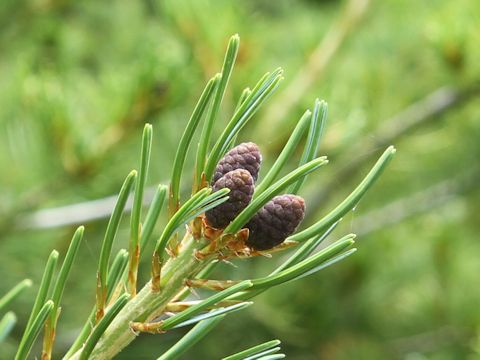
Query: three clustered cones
[274,222]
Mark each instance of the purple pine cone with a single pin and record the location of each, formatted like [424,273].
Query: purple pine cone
[244,156]
[277,220]
[241,185]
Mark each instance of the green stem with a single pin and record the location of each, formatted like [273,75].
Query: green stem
[148,304]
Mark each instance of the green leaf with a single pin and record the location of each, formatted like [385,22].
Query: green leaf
[102,326]
[315,133]
[271,191]
[350,202]
[198,308]
[253,350]
[45,285]
[198,332]
[227,68]
[286,153]
[6,325]
[112,227]
[152,216]
[13,293]
[185,141]
[31,334]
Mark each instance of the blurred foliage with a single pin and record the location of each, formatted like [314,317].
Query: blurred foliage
[79,80]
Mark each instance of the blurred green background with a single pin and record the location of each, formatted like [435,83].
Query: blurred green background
[79,79]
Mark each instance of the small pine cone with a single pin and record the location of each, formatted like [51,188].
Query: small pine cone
[244,156]
[240,183]
[277,220]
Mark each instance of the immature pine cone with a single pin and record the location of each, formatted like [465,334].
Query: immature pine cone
[244,156]
[277,220]
[240,183]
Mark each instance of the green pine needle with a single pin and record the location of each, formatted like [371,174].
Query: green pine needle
[152,216]
[305,250]
[197,333]
[317,124]
[286,153]
[116,271]
[273,190]
[350,202]
[254,350]
[197,204]
[32,333]
[299,270]
[112,227]
[264,88]
[214,313]
[185,141]
[62,279]
[7,323]
[204,144]
[45,286]
[198,308]
[134,247]
[13,293]
[306,265]
[102,326]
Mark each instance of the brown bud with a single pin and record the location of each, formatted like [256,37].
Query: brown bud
[240,183]
[244,156]
[275,221]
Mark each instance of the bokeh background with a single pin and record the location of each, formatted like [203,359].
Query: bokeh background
[79,79]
